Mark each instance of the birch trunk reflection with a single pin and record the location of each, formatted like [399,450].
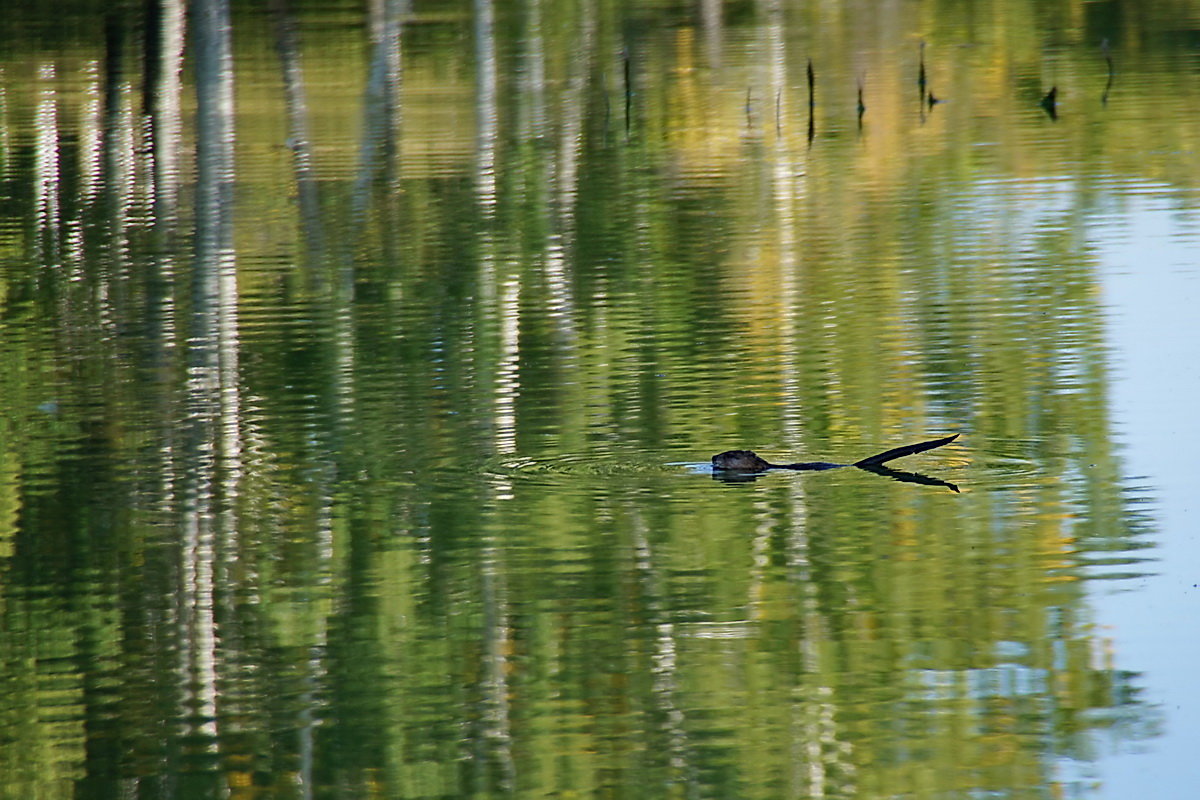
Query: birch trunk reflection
[500,310]
[163,90]
[162,101]
[378,148]
[46,169]
[212,445]
[287,45]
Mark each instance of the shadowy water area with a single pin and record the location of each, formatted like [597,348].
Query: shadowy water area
[361,367]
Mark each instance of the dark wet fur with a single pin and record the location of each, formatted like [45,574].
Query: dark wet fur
[749,461]
[746,460]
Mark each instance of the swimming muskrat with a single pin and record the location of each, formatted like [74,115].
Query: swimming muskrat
[748,461]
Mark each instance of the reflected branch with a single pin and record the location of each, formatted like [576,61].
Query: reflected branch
[906,477]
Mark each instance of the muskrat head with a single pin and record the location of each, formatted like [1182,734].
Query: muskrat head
[746,460]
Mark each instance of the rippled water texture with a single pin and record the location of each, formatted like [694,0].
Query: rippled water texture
[361,366]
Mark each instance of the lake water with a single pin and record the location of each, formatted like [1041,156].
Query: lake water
[360,370]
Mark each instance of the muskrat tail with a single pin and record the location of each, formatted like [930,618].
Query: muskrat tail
[907,450]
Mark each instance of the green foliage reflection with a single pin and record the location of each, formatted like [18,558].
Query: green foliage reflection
[373,502]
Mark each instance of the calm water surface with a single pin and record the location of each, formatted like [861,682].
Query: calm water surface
[360,369]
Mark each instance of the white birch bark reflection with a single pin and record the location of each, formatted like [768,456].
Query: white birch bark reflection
[212,446]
